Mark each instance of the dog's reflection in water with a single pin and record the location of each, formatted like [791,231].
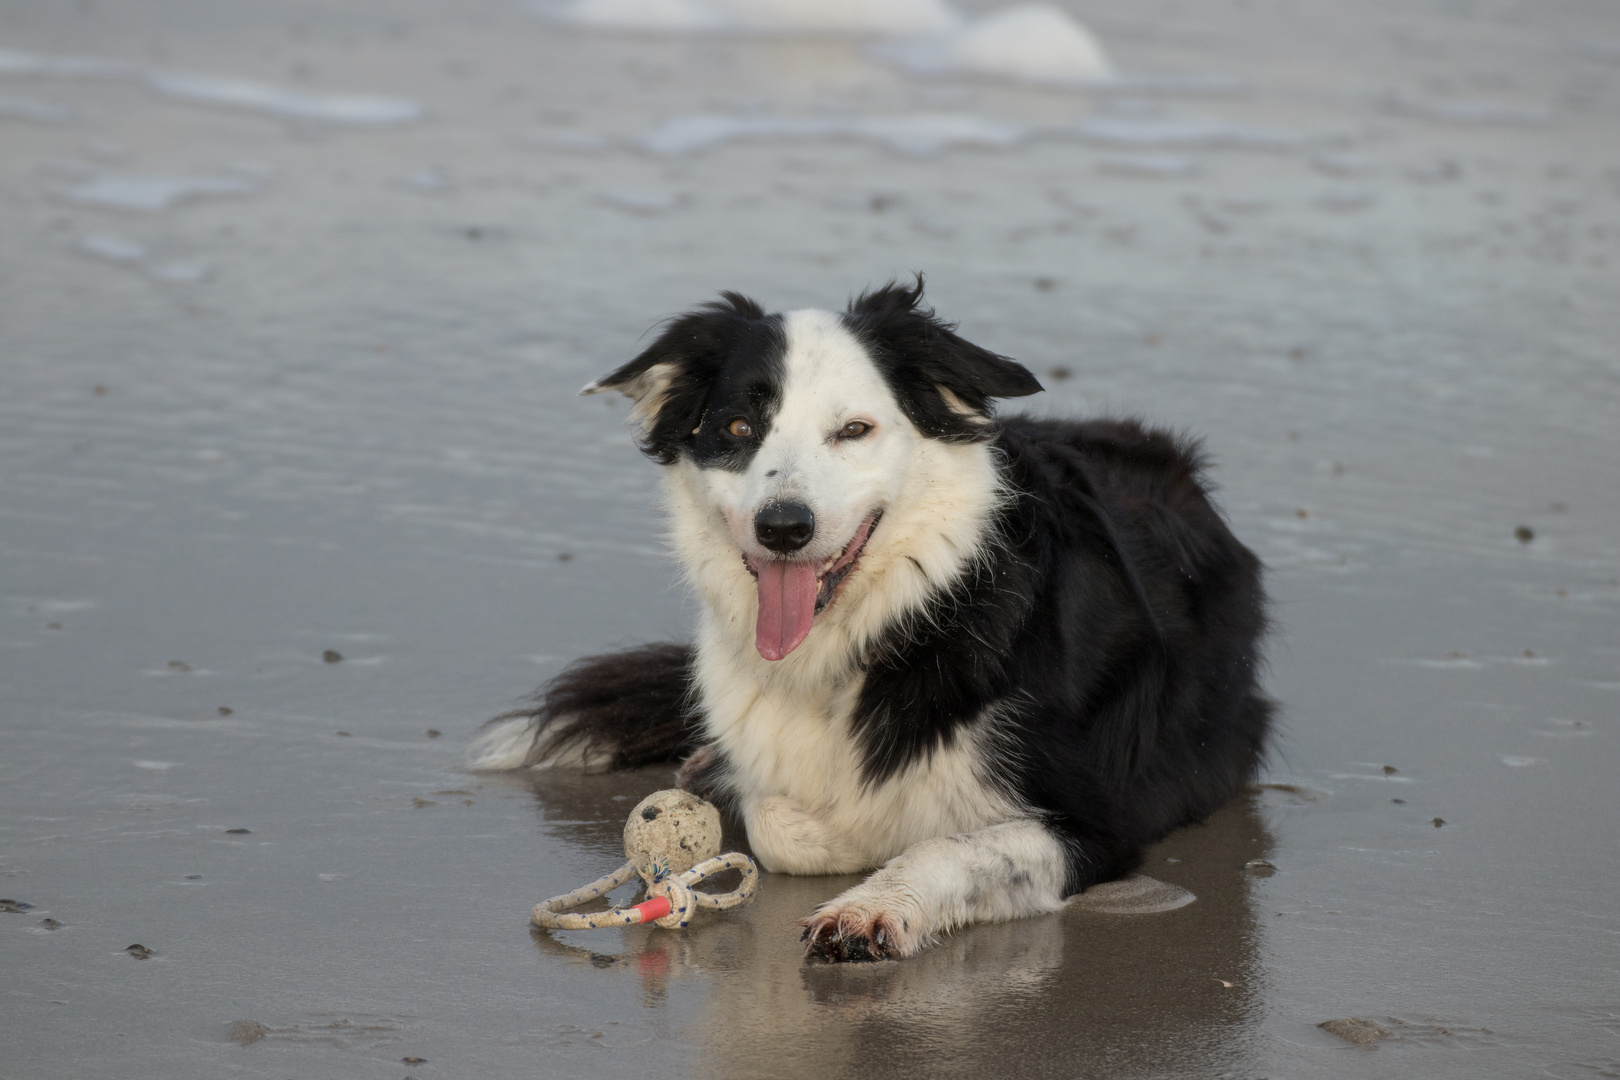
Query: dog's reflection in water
[1066,994]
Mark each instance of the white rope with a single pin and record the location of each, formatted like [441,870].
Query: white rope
[671,898]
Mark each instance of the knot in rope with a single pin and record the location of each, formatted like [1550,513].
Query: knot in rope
[671,901]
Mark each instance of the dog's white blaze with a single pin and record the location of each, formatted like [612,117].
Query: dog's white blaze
[829,381]
[785,725]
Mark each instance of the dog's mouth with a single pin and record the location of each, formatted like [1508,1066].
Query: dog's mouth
[793,592]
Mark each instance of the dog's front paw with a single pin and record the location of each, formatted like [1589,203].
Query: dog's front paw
[858,932]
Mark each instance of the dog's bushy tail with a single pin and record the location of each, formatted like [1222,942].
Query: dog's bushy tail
[600,713]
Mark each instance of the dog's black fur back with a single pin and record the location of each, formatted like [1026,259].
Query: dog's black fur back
[1119,622]
[1115,622]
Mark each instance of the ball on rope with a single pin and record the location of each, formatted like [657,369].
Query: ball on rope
[675,826]
[672,840]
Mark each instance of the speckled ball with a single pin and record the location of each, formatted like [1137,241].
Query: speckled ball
[674,825]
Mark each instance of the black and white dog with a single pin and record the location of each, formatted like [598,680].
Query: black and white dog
[994,658]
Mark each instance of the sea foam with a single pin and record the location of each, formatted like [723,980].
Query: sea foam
[1031,43]
[907,133]
[1183,134]
[200,89]
[769,16]
[146,191]
[364,109]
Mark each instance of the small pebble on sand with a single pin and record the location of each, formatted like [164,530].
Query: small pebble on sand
[1356,1030]
[246,1031]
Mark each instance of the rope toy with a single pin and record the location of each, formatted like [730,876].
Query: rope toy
[673,841]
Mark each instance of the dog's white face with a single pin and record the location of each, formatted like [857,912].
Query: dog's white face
[836,454]
[803,444]
[838,444]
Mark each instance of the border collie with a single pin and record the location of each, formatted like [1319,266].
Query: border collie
[993,658]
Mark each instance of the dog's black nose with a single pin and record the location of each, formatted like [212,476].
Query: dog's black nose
[785,526]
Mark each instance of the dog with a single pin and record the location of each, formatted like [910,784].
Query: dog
[991,658]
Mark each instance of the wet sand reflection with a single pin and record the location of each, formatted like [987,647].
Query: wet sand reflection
[1072,994]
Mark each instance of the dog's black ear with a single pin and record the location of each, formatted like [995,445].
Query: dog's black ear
[670,381]
[944,384]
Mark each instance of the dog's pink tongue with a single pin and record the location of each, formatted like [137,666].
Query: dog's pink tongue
[787,604]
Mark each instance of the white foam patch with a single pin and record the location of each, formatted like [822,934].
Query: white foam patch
[1514,761]
[63,67]
[1150,166]
[432,180]
[361,109]
[182,272]
[35,112]
[644,202]
[200,89]
[1469,113]
[1203,86]
[1183,134]
[1031,43]
[907,133]
[148,191]
[585,142]
[159,766]
[1344,202]
[847,16]
[1377,778]
[769,16]
[635,14]
[113,249]
[64,605]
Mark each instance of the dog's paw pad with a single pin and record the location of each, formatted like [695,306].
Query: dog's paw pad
[851,937]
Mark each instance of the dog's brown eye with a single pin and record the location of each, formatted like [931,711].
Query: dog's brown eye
[740,428]
[854,429]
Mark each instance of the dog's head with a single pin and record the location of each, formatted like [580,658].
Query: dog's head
[804,431]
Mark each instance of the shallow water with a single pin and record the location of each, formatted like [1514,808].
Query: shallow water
[325,401]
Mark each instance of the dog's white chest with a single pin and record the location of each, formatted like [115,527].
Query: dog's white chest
[796,766]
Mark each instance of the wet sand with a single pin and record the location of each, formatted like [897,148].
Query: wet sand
[278,385]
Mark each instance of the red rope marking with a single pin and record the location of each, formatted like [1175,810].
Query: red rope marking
[656,908]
